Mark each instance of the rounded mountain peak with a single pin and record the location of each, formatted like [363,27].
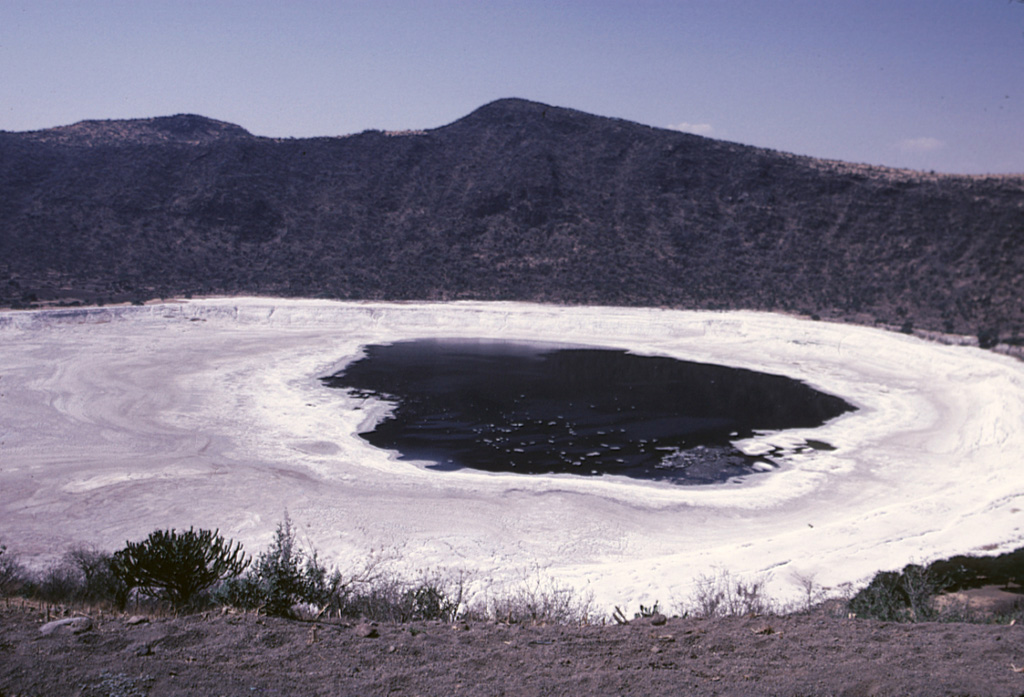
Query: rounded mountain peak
[522,112]
[186,129]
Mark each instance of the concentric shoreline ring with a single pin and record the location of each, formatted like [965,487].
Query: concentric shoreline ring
[116,421]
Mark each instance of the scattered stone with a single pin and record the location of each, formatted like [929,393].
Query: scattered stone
[143,650]
[137,619]
[76,625]
[366,631]
[658,619]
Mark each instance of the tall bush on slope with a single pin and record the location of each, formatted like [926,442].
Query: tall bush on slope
[178,567]
[286,581]
[282,577]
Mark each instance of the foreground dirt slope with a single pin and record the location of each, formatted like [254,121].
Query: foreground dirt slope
[247,655]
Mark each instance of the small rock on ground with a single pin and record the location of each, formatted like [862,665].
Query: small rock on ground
[76,625]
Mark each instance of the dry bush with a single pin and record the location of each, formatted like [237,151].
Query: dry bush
[391,597]
[722,595]
[537,599]
[100,583]
[60,583]
[84,575]
[12,573]
[814,594]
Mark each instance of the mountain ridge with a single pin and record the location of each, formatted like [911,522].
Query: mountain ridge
[188,129]
[517,200]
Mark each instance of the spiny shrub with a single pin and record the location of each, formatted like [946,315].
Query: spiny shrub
[647,611]
[178,567]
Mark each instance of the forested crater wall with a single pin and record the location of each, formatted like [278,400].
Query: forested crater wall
[516,201]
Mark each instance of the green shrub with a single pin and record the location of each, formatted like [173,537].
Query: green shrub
[430,600]
[178,567]
[286,580]
[963,571]
[283,577]
[909,595]
[241,592]
[882,599]
[277,576]
[905,596]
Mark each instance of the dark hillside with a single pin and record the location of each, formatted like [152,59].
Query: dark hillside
[517,200]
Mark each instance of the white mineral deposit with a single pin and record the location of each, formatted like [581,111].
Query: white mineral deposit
[210,413]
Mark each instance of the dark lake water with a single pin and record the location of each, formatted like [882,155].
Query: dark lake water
[532,409]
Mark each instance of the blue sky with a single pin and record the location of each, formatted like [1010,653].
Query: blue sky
[935,84]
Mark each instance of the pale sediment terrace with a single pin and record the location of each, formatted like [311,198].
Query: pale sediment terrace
[117,421]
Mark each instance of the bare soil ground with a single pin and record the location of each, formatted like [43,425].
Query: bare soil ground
[225,654]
